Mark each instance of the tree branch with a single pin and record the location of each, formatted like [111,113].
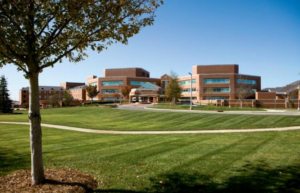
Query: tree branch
[14,62]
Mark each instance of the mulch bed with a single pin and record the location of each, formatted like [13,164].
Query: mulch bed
[57,180]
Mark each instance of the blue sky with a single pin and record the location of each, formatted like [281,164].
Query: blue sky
[262,36]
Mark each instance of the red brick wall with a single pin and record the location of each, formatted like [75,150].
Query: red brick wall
[213,69]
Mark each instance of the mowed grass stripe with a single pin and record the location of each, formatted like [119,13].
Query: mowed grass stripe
[111,119]
[140,164]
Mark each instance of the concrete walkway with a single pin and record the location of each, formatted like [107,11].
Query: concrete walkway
[157,132]
[145,107]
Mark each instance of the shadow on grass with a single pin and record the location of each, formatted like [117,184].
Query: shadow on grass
[11,161]
[251,178]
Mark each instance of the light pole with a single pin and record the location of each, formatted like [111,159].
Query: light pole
[298,96]
[229,97]
[200,95]
[191,103]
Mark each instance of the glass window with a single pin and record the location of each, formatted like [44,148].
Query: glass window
[94,84]
[188,90]
[187,82]
[111,99]
[139,83]
[106,91]
[187,98]
[165,83]
[216,81]
[215,98]
[245,81]
[210,90]
[112,83]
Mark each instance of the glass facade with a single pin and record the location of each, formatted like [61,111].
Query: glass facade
[187,82]
[139,83]
[245,81]
[211,90]
[106,91]
[216,81]
[112,83]
[188,90]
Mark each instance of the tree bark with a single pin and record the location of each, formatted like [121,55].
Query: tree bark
[37,170]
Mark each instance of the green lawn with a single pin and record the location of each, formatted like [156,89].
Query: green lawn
[112,119]
[204,108]
[239,162]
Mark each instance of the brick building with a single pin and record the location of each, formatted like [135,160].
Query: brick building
[46,92]
[213,82]
[209,82]
[110,85]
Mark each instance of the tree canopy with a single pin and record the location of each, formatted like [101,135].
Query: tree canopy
[173,89]
[5,102]
[36,34]
[67,98]
[46,31]
[92,91]
[125,90]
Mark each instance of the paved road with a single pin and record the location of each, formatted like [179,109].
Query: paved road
[157,132]
[145,107]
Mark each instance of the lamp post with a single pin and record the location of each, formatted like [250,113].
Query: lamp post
[298,96]
[229,97]
[191,103]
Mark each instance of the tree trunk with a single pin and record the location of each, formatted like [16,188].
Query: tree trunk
[37,171]
[173,101]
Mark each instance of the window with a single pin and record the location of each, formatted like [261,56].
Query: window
[24,91]
[165,83]
[216,81]
[245,81]
[187,98]
[187,82]
[93,84]
[188,90]
[112,83]
[215,98]
[111,99]
[24,96]
[110,91]
[209,90]
[139,83]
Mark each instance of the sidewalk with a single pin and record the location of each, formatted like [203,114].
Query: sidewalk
[157,132]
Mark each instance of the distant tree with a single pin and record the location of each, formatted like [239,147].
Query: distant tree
[116,95]
[243,90]
[37,34]
[208,92]
[173,89]
[5,102]
[126,91]
[54,99]
[67,98]
[92,91]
